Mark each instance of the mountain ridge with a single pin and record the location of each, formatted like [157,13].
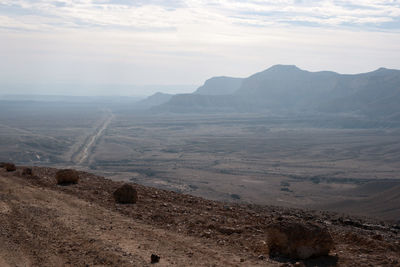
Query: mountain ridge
[220,85]
[287,87]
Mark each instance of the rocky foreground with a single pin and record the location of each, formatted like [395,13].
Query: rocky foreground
[45,224]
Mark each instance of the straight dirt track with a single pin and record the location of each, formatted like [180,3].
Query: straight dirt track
[83,153]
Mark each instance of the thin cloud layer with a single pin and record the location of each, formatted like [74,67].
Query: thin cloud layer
[158,15]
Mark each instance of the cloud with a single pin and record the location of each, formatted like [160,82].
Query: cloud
[168,4]
[176,41]
[368,14]
[175,14]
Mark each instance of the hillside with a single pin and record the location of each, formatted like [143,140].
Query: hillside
[80,225]
[219,86]
[286,88]
[153,100]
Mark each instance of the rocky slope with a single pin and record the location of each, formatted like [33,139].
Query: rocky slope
[44,224]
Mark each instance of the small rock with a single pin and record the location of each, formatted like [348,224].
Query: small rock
[207,234]
[154,258]
[261,257]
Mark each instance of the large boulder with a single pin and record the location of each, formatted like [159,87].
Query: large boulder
[126,194]
[67,176]
[298,240]
[10,167]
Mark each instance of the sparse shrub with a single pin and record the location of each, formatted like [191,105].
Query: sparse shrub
[67,176]
[194,187]
[148,172]
[315,180]
[235,196]
[285,183]
[285,189]
[126,194]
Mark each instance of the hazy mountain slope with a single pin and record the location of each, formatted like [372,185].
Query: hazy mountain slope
[288,88]
[374,93]
[219,86]
[153,100]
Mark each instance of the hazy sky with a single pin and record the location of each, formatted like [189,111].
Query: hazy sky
[185,42]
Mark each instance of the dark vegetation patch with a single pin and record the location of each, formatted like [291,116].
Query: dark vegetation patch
[235,196]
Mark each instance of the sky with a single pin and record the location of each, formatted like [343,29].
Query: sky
[139,47]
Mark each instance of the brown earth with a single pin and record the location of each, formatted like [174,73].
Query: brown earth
[44,224]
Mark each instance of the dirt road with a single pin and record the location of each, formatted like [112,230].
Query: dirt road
[83,153]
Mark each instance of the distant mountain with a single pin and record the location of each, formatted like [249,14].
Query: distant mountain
[220,86]
[153,100]
[375,93]
[288,88]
